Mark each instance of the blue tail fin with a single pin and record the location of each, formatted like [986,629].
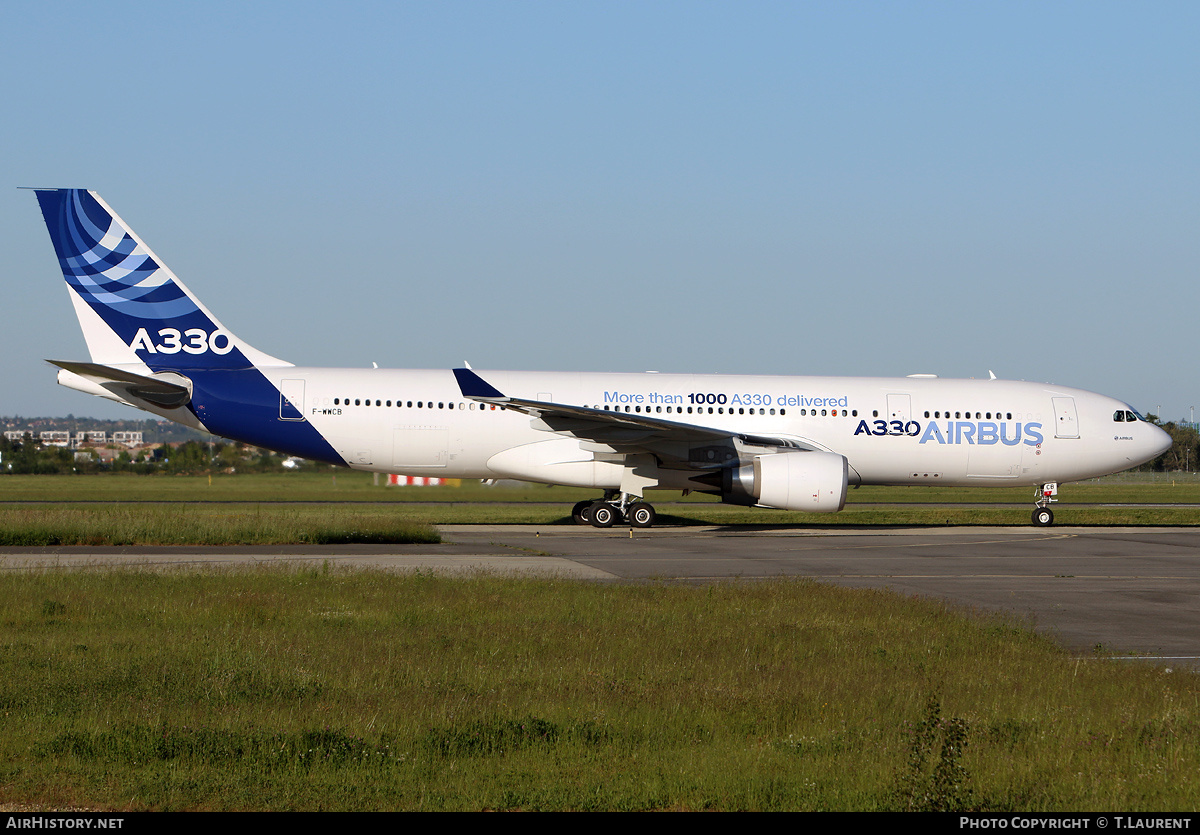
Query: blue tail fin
[132,308]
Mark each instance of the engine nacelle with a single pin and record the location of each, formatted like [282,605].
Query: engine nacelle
[811,481]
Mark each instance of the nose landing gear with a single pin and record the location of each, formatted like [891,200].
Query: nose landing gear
[1043,516]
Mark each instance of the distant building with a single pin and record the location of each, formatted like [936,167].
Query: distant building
[129,439]
[51,438]
[19,434]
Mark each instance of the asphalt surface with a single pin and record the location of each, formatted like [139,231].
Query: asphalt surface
[1132,590]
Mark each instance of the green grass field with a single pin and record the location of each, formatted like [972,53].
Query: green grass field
[321,689]
[352,486]
[286,688]
[349,507]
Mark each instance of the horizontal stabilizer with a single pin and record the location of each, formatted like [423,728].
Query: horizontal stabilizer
[169,391]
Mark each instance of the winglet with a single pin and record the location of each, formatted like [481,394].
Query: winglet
[474,386]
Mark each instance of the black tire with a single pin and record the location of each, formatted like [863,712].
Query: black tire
[603,514]
[1043,517]
[582,513]
[640,515]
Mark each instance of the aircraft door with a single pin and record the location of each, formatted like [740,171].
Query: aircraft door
[899,407]
[291,400]
[1066,420]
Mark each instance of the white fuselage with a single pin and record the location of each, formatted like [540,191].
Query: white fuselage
[911,430]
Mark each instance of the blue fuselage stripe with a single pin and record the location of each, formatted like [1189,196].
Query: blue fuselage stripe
[243,405]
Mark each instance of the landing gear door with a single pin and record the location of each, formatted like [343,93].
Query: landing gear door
[1066,421]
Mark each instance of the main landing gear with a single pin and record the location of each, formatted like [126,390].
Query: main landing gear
[613,509]
[1043,516]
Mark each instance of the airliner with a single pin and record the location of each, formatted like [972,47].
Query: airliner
[795,443]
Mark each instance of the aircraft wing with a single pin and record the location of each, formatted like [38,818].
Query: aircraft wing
[675,443]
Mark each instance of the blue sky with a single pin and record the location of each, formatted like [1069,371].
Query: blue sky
[780,188]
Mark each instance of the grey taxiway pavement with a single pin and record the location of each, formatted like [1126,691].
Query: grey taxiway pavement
[1132,590]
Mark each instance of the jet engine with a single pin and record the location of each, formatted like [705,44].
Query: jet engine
[812,481]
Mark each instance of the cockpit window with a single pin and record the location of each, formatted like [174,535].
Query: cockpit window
[1119,415]
[1127,416]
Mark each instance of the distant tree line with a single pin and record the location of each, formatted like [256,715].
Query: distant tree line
[191,458]
[1184,447]
[30,457]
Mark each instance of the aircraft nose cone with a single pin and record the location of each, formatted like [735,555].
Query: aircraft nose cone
[1158,442]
